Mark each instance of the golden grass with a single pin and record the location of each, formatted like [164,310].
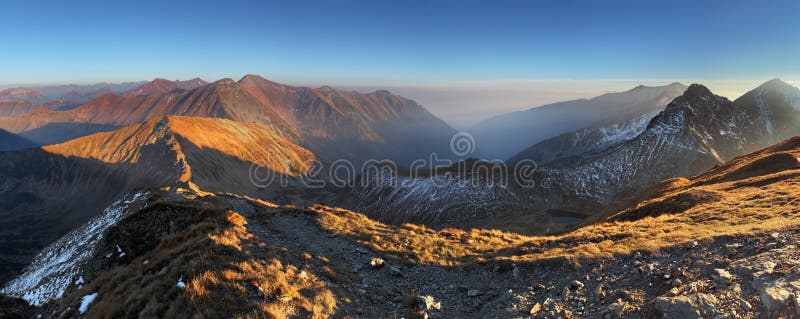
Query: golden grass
[738,210]
[228,273]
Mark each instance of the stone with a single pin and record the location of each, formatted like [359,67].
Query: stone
[376,263]
[535,309]
[614,310]
[775,298]
[692,244]
[722,278]
[673,292]
[599,292]
[473,292]
[428,303]
[694,306]
[576,284]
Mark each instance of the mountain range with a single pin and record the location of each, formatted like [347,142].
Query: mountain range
[142,202]
[608,112]
[71,92]
[334,124]
[696,131]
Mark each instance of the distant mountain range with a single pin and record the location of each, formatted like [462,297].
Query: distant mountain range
[334,124]
[613,113]
[71,93]
[695,131]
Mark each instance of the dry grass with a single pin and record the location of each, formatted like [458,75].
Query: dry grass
[228,273]
[745,196]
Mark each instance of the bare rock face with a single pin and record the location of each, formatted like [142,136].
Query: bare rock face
[693,306]
[779,296]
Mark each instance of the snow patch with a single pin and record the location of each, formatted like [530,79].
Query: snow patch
[85,302]
[53,270]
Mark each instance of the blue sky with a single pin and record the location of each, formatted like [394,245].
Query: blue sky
[391,43]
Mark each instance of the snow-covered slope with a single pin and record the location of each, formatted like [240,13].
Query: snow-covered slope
[58,265]
[442,200]
[503,136]
[561,149]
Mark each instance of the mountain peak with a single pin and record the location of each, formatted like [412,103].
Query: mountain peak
[775,84]
[252,78]
[225,81]
[160,81]
[698,90]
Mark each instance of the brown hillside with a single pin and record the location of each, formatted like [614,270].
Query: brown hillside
[333,123]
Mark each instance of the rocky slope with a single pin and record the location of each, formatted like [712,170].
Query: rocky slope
[334,124]
[717,244]
[531,126]
[696,131]
[568,148]
[463,195]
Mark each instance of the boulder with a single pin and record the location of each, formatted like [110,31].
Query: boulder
[685,307]
[780,296]
[722,278]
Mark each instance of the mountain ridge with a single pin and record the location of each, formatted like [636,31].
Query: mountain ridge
[335,124]
[536,124]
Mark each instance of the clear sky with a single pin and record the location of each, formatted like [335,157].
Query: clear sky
[401,43]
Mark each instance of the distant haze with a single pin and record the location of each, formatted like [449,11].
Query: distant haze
[462,104]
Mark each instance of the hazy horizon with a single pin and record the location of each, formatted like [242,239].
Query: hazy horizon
[462,104]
